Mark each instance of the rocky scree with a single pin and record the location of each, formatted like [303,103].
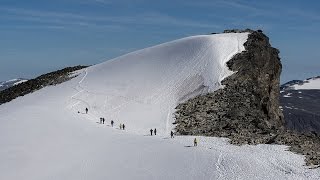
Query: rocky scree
[247,109]
[32,85]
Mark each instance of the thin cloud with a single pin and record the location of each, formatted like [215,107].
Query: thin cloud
[155,19]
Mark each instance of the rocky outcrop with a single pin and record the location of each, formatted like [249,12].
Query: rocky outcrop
[247,109]
[32,85]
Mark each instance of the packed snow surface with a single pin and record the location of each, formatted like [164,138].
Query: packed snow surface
[313,83]
[47,134]
[142,88]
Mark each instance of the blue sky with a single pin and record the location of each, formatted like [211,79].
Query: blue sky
[38,36]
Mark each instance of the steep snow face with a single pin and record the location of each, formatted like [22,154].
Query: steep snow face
[312,83]
[142,88]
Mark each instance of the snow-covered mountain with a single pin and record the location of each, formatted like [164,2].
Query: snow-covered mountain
[6,84]
[300,101]
[48,135]
[310,83]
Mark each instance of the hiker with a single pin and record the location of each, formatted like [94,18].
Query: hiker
[151,130]
[155,131]
[103,120]
[112,123]
[172,135]
[195,142]
[87,110]
[123,126]
[100,120]
[120,126]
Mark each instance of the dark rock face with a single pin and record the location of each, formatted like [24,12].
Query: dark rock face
[32,85]
[247,108]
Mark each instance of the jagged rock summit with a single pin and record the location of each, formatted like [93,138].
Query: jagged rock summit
[247,108]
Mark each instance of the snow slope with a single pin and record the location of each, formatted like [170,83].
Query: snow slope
[42,135]
[142,88]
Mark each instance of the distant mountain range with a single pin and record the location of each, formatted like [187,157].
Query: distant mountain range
[300,102]
[6,84]
[310,83]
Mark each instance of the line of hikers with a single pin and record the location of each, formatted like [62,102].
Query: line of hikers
[122,127]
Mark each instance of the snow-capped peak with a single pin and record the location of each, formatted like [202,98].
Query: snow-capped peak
[310,83]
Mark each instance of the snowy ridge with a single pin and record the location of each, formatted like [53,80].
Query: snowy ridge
[47,135]
[142,88]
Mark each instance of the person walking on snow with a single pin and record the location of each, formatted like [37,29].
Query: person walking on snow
[100,120]
[87,110]
[120,126]
[151,130]
[103,120]
[112,123]
[195,142]
[172,134]
[123,126]
[155,131]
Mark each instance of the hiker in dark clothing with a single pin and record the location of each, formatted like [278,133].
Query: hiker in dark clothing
[120,126]
[100,120]
[155,131]
[87,110]
[103,120]
[123,126]
[195,142]
[112,123]
[172,135]
[151,130]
